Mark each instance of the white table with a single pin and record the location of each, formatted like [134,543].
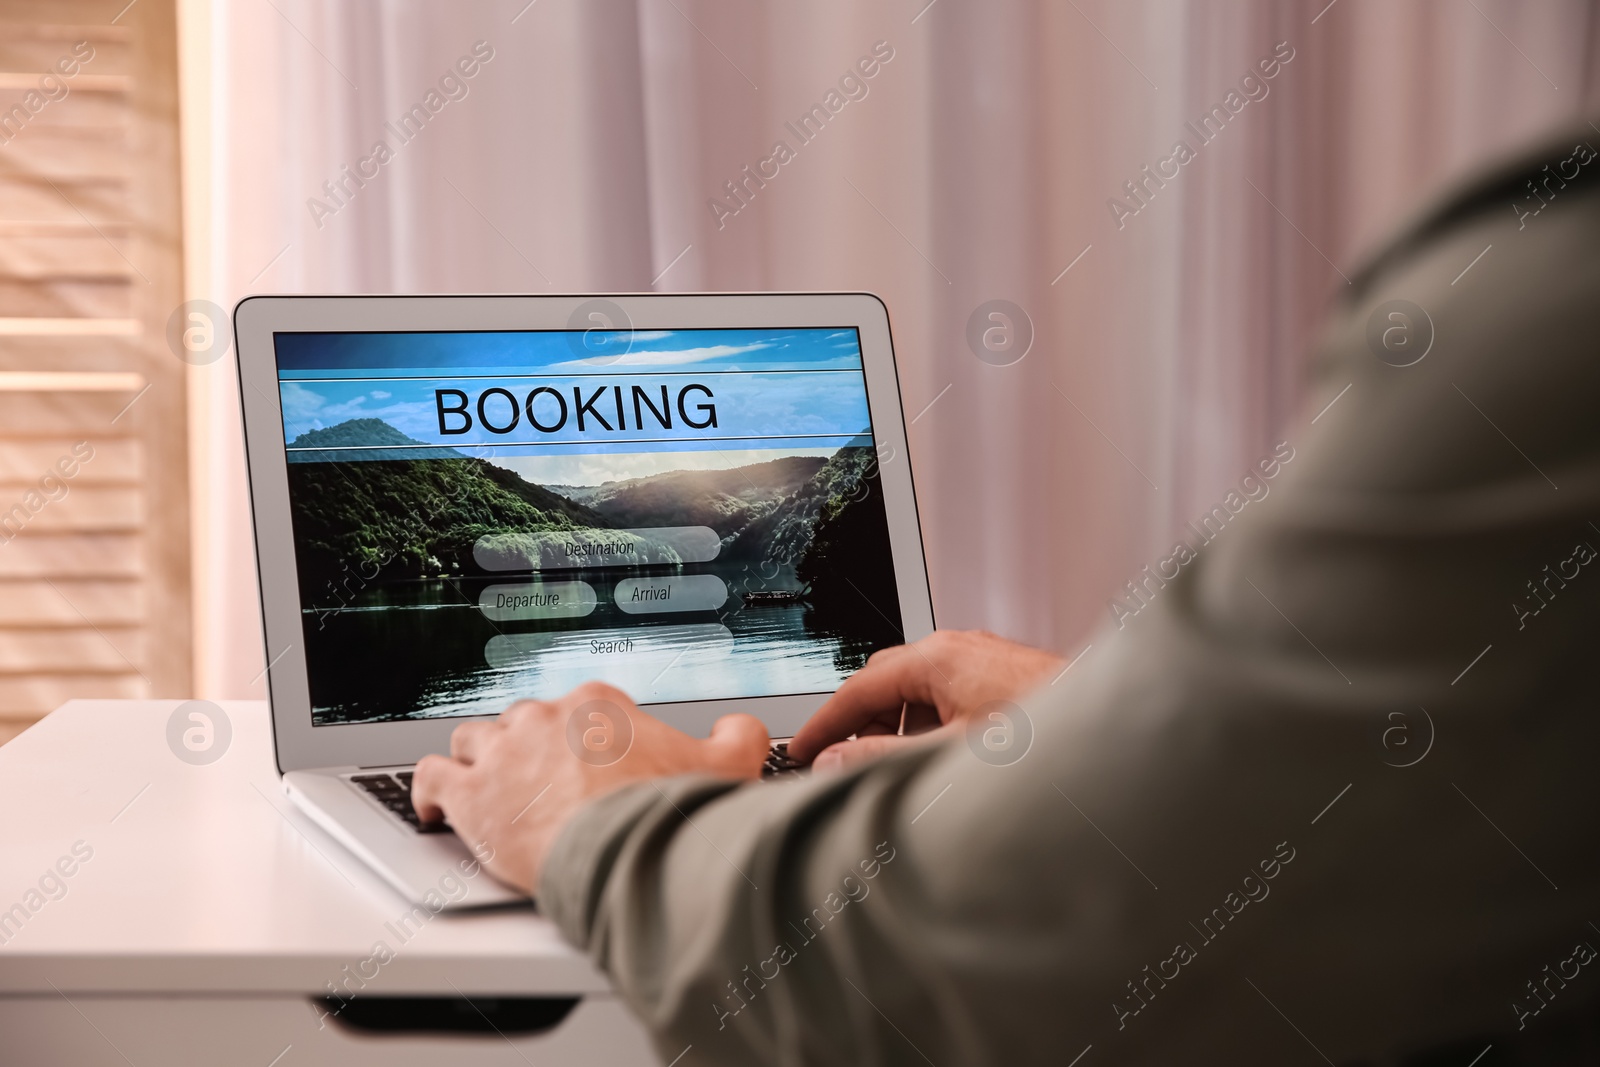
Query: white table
[211,912]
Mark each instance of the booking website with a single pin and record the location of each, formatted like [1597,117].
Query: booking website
[490,516]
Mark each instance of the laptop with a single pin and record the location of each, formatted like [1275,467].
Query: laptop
[463,501]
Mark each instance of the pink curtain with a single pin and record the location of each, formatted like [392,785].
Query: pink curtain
[980,161]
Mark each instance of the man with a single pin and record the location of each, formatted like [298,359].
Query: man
[1329,796]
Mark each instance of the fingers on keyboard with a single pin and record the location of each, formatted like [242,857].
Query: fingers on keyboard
[779,765]
[394,793]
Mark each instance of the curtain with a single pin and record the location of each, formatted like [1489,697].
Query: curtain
[1001,150]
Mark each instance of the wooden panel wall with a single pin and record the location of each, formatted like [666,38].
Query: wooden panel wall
[94,568]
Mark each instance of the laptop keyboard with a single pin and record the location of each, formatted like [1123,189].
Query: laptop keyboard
[779,765]
[393,791]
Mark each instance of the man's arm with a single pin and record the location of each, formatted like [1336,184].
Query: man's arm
[1213,824]
[595,739]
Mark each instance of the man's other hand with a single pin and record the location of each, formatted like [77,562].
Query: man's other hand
[935,683]
[513,783]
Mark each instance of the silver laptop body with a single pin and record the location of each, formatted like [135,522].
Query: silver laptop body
[460,501]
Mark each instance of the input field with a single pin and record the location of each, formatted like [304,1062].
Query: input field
[590,547]
[537,600]
[671,592]
[641,646]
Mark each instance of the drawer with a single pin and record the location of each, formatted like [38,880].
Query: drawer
[115,1030]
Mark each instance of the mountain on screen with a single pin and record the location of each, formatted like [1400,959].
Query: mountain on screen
[725,500]
[418,512]
[807,511]
[362,437]
[406,517]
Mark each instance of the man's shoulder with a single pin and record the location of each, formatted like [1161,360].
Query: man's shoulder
[1556,170]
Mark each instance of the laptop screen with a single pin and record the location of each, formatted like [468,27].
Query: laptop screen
[482,517]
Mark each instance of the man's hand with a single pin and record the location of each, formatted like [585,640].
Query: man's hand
[935,682]
[513,783]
